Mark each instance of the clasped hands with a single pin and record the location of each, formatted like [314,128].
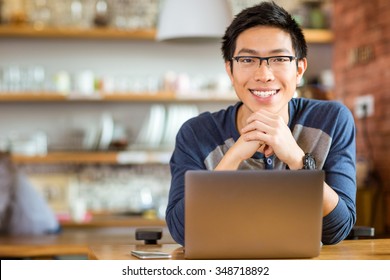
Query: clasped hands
[269,134]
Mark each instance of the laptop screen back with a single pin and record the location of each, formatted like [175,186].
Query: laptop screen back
[253,214]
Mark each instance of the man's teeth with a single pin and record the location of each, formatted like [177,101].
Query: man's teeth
[264,93]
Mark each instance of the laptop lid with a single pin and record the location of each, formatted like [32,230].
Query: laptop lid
[251,214]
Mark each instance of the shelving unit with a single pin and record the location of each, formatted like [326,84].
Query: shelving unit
[102,157]
[169,97]
[25,31]
[318,36]
[114,221]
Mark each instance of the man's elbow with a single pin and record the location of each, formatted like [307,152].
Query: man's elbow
[175,229]
[338,235]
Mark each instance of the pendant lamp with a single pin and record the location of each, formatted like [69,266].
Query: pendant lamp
[193,19]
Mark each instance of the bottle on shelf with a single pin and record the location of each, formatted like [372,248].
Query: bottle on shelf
[102,13]
[14,11]
[1,11]
[40,14]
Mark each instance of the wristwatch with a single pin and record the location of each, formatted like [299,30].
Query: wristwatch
[309,162]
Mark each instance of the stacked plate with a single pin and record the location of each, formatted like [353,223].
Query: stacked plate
[177,115]
[99,137]
[161,126]
[153,127]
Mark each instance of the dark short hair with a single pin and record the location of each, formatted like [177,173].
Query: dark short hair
[263,14]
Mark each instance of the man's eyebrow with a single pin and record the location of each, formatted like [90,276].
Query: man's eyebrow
[282,50]
[248,51]
[254,52]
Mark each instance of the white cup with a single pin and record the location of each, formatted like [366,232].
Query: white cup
[78,210]
[85,82]
[62,82]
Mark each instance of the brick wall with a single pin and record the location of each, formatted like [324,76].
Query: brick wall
[361,65]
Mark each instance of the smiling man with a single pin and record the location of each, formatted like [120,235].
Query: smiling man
[265,57]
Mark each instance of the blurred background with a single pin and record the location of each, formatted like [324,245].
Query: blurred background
[90,100]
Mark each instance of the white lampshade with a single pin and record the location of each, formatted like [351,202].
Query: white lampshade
[193,19]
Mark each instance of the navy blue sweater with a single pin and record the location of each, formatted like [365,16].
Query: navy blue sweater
[324,128]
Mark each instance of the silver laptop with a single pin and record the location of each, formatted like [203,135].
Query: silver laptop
[256,214]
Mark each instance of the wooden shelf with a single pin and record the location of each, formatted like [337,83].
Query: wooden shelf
[115,221]
[318,36]
[322,36]
[68,157]
[109,97]
[27,31]
[109,157]
[98,97]
[31,97]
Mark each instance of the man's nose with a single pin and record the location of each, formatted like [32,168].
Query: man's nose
[263,72]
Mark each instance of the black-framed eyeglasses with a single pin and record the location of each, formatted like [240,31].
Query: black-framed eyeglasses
[275,63]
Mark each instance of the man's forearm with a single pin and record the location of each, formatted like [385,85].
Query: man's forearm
[230,161]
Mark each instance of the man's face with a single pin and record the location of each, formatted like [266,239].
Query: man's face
[263,86]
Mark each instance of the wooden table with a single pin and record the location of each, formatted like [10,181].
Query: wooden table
[365,249]
[75,241]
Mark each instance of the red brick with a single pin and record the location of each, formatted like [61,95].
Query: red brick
[360,23]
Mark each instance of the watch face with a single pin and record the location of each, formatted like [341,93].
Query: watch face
[309,162]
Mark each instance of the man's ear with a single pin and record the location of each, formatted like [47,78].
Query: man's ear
[229,70]
[301,68]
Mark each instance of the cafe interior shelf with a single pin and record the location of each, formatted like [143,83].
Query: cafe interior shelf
[109,97]
[101,157]
[27,31]
[114,221]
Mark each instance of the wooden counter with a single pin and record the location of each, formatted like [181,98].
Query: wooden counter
[367,249]
[75,241]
